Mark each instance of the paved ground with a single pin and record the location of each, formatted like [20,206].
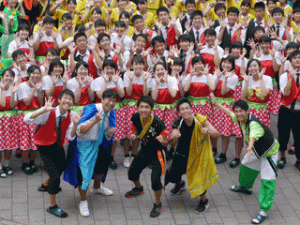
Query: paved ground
[21,203]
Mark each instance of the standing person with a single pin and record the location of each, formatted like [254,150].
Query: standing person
[193,154]
[55,124]
[261,156]
[30,97]
[152,133]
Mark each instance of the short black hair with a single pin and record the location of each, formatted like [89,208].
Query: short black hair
[67,16]
[136,17]
[210,32]
[292,45]
[97,10]
[241,104]
[137,59]
[231,61]
[49,19]
[10,71]
[233,10]
[296,10]
[294,54]
[73,1]
[144,36]
[32,68]
[157,64]
[246,3]
[146,99]
[101,36]
[184,37]
[162,9]
[196,59]
[124,13]
[52,51]
[196,13]
[182,101]
[190,2]
[120,23]
[250,62]
[56,62]
[265,39]
[78,35]
[176,61]
[100,23]
[258,28]
[80,28]
[156,39]
[260,5]
[17,53]
[110,93]
[67,92]
[23,26]
[110,63]
[78,64]
[237,44]
[274,1]
[219,6]
[278,10]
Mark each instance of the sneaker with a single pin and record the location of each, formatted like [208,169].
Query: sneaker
[26,169]
[3,174]
[8,170]
[214,150]
[240,189]
[202,207]
[155,212]
[177,188]
[103,191]
[126,162]
[134,192]
[297,165]
[34,168]
[281,163]
[291,151]
[84,209]
[258,219]
[113,165]
[221,159]
[234,163]
[57,212]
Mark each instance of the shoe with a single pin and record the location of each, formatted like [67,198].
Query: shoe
[221,159]
[177,188]
[113,165]
[291,151]
[57,212]
[126,162]
[281,163]
[26,169]
[240,189]
[258,219]
[103,191]
[34,168]
[3,173]
[155,212]
[234,163]
[18,153]
[202,207]
[8,170]
[84,208]
[134,192]
[297,165]
[43,188]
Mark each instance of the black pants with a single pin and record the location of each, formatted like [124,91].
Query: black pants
[177,169]
[142,159]
[288,120]
[54,159]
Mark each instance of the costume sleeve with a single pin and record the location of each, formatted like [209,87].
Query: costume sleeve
[256,130]
[234,118]
[40,120]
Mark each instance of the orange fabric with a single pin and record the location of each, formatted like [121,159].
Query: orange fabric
[161,161]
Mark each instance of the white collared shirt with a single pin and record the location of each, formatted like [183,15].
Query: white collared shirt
[85,57]
[283,80]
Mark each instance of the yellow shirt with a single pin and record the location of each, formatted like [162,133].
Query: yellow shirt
[230,3]
[287,9]
[174,10]
[155,5]
[115,15]
[149,21]
[251,17]
[60,12]
[81,4]
[63,51]
[130,31]
[295,28]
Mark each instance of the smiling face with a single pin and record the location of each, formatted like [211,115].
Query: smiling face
[139,24]
[197,22]
[295,61]
[57,71]
[184,45]
[190,8]
[258,34]
[97,3]
[23,34]
[108,104]
[140,43]
[48,27]
[109,71]
[253,68]
[277,17]
[71,7]
[120,30]
[185,111]
[35,77]
[259,13]
[67,23]
[159,70]
[142,7]
[82,43]
[100,29]
[271,5]
[226,65]
[50,57]
[245,9]
[221,12]
[21,60]
[232,18]
[96,16]
[159,47]
[82,72]
[163,17]
[176,68]
[198,67]
[7,78]
[138,68]
[210,39]
[265,46]
[241,115]
[105,43]
[125,19]
[145,111]
[236,52]
[66,102]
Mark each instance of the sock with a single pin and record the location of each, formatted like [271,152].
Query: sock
[83,202]
[263,213]
[6,163]
[126,155]
[53,207]
[0,166]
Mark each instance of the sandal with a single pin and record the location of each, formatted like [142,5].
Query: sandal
[3,174]
[8,170]
[240,189]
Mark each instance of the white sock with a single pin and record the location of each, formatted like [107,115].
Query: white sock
[263,213]
[0,166]
[83,202]
[6,163]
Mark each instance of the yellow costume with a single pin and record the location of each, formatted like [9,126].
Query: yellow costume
[66,36]
[60,12]
[287,9]
[153,6]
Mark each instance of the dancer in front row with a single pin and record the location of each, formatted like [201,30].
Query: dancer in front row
[261,156]
[193,154]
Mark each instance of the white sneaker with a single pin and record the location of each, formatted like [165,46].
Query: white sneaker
[126,162]
[103,191]
[84,209]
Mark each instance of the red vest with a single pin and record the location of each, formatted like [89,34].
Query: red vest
[46,134]
[171,37]
[295,93]
[235,36]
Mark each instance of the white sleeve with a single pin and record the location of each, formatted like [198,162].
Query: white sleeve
[283,82]
[12,47]
[185,80]
[97,84]
[277,58]
[286,65]
[221,52]
[21,93]
[173,82]
[40,120]
[217,29]
[292,34]
[36,35]
[71,86]
[126,57]
[120,83]
[178,25]
[58,39]
[126,81]
[232,82]
[268,82]
[47,83]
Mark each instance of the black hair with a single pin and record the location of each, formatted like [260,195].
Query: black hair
[78,35]
[137,59]
[146,99]
[162,9]
[190,2]
[120,24]
[74,1]
[32,68]
[67,16]
[157,64]
[278,10]
[17,53]
[182,101]
[258,28]
[80,28]
[10,71]
[97,10]
[237,44]
[230,59]
[196,59]
[233,10]
[176,61]
[110,63]
[210,32]
[101,36]
[100,23]
[246,3]
[52,51]
[136,17]
[156,39]
[241,104]
[56,62]
[142,2]
[23,26]
[47,13]
[294,54]
[250,62]
[296,10]
[274,1]
[196,13]
[265,38]
[219,6]
[184,37]
[49,19]
[66,92]
[292,45]
[124,13]
[143,36]
[78,64]
[260,5]
[110,93]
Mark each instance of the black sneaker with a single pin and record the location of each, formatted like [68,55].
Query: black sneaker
[33,167]
[155,212]
[113,165]
[221,159]
[177,188]
[18,153]
[234,163]
[58,212]
[26,169]
[134,192]
[281,163]
[8,170]
[214,150]
[202,207]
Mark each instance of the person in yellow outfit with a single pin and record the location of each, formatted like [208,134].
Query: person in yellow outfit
[154,5]
[96,15]
[88,11]
[193,154]
[40,22]
[287,8]
[271,5]
[63,4]
[174,6]
[66,31]
[190,6]
[245,7]
[228,4]
[295,24]
[124,16]
[148,17]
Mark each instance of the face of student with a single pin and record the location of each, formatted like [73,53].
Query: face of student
[140,43]
[82,43]
[144,110]
[245,9]
[57,71]
[109,71]
[297,16]
[12,3]
[66,102]
[277,17]
[7,78]
[108,104]
[21,60]
[159,47]
[100,29]
[235,52]
[185,111]
[232,18]
[71,7]
[97,3]
[176,68]
[122,4]
[96,16]
[184,45]
[169,2]
[271,5]
[241,115]
[139,24]
[290,50]
[138,68]
[190,8]
[48,27]
[120,30]
[282,2]
[105,43]
[35,77]
[82,72]
[159,71]
[221,12]
[221,1]
[197,22]
[259,13]
[23,34]
[258,34]
[50,57]
[253,68]
[265,46]
[227,66]
[295,61]
[198,67]
[67,23]
[142,7]
[163,17]
[125,19]
[210,39]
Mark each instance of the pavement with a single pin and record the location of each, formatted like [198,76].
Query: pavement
[21,203]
